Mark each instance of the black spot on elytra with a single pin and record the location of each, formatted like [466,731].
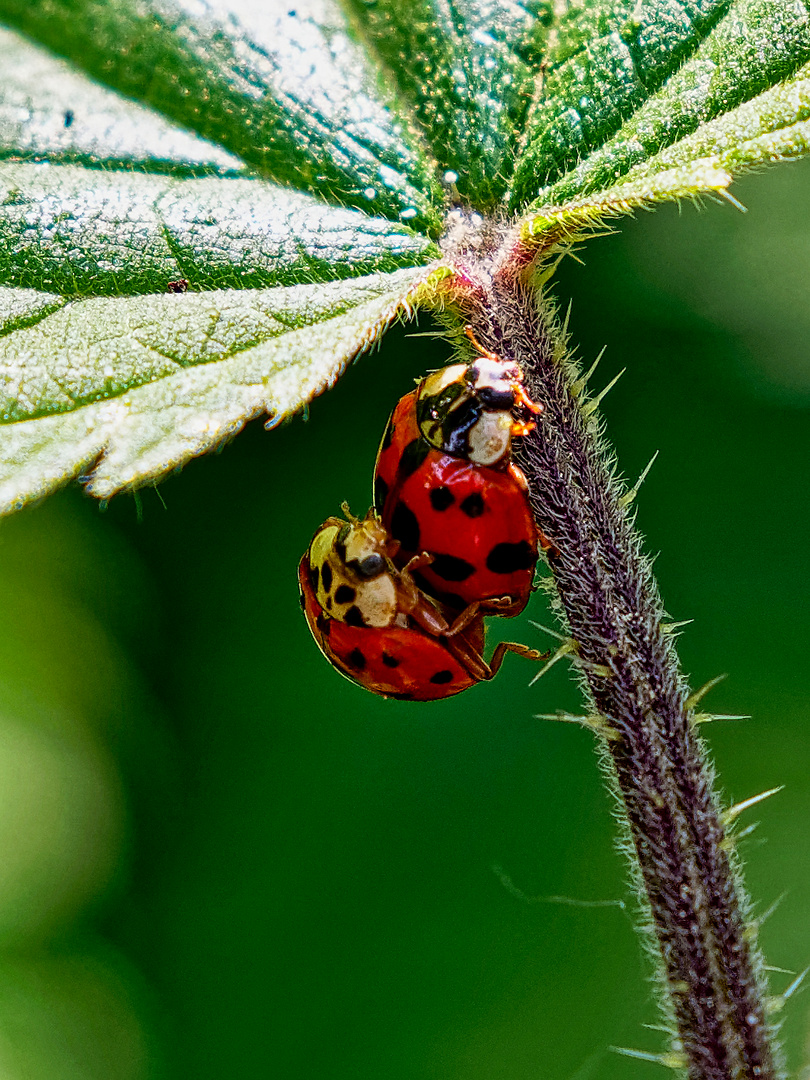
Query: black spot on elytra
[442,677]
[405,527]
[473,505]
[356,660]
[441,498]
[412,457]
[354,617]
[324,625]
[345,594]
[404,696]
[326,577]
[450,568]
[390,661]
[449,599]
[388,435]
[380,494]
[507,558]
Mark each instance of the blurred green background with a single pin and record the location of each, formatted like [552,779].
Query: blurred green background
[220,859]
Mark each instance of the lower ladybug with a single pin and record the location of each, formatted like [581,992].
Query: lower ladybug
[445,484]
[374,624]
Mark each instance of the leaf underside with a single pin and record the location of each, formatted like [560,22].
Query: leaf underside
[291,168]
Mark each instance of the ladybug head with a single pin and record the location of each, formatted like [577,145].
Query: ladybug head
[366,545]
[466,409]
[353,577]
[495,383]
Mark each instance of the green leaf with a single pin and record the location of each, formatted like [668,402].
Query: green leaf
[292,166]
[287,90]
[468,69]
[84,232]
[754,46]
[50,110]
[161,379]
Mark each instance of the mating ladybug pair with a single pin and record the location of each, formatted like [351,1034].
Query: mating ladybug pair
[396,600]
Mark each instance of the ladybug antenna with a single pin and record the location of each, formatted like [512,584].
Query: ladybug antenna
[344,506]
[468,330]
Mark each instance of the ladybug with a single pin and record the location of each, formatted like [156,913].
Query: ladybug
[445,484]
[467,409]
[374,624]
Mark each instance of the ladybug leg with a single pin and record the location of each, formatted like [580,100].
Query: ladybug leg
[413,602]
[523,427]
[428,616]
[513,646]
[423,559]
[473,662]
[477,666]
[506,606]
[424,612]
[462,621]
[499,603]
[548,545]
[344,506]
[522,398]
[468,330]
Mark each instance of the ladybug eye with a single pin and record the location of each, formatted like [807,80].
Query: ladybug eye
[370,566]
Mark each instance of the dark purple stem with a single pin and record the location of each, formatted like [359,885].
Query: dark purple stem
[711,971]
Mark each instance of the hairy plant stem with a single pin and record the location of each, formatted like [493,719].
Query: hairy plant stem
[709,964]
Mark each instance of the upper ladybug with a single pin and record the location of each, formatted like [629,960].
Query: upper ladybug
[467,410]
[445,484]
[377,628]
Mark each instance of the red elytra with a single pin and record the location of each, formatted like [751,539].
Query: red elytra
[399,662]
[475,520]
[376,626]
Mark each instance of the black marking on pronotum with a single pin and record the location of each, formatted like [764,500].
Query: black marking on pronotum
[457,427]
[354,617]
[442,677]
[441,498]
[326,577]
[473,505]
[341,538]
[345,594]
[405,527]
[313,577]
[496,400]
[507,558]
[390,661]
[356,660]
[450,568]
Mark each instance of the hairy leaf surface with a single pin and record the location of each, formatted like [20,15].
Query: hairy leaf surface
[290,166]
[150,382]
